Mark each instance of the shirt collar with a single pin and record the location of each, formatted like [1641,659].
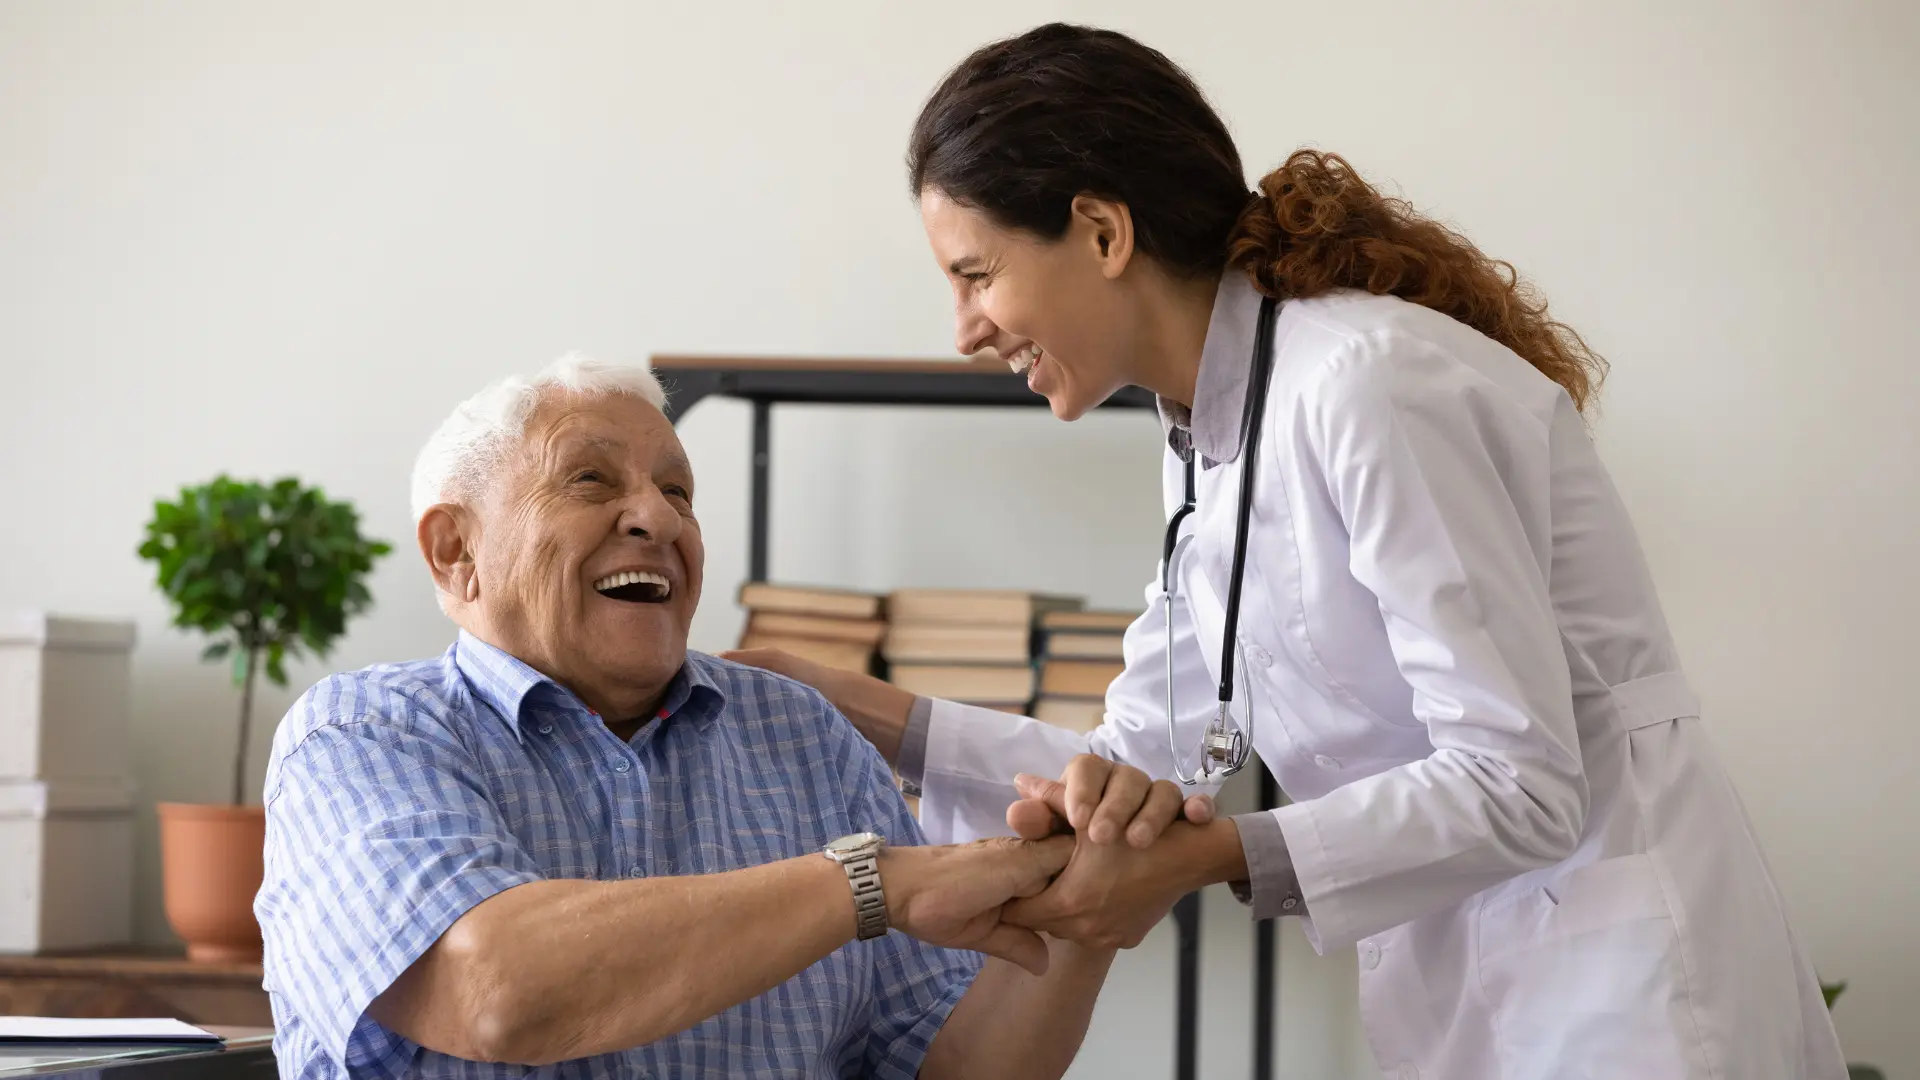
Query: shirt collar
[1213,426]
[506,684]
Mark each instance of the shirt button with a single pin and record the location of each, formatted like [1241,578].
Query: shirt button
[1326,762]
[621,765]
[1289,904]
[634,871]
[546,729]
[1369,956]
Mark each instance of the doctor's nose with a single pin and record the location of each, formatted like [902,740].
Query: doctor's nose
[973,331]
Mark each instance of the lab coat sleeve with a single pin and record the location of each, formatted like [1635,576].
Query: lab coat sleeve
[1441,479]
[973,754]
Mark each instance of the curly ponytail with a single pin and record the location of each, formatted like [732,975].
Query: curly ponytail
[1316,225]
[1024,125]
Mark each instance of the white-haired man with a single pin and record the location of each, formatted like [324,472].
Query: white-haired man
[569,841]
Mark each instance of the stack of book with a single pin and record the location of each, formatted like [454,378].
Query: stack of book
[968,645]
[840,628]
[1080,654]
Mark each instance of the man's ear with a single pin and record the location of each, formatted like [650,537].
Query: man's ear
[446,540]
[1106,226]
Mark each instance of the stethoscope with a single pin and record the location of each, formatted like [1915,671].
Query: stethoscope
[1224,744]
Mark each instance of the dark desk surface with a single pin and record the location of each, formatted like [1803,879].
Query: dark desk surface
[248,1054]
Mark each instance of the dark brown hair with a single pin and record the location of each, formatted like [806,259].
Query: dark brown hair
[1023,125]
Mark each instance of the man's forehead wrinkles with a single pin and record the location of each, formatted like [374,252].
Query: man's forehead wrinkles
[562,438]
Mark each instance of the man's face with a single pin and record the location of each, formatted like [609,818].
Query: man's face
[589,558]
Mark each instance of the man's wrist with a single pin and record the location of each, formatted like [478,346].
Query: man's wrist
[899,877]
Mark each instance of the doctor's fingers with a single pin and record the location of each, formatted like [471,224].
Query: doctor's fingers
[1164,803]
[1129,797]
[1032,819]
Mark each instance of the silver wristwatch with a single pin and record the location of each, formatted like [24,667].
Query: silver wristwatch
[859,855]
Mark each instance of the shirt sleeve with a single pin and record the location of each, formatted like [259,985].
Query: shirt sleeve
[913,744]
[380,834]
[915,985]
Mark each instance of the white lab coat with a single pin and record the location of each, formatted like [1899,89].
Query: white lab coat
[1502,789]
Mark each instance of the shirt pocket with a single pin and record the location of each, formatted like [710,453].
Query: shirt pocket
[1585,977]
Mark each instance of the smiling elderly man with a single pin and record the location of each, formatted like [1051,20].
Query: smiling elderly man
[571,841]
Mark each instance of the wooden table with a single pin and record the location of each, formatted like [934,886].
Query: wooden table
[132,984]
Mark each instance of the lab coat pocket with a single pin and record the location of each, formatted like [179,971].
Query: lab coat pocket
[1584,976]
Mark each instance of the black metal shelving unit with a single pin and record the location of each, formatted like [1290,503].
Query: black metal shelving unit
[766,382]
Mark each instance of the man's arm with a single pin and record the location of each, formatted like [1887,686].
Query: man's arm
[553,970]
[1017,1025]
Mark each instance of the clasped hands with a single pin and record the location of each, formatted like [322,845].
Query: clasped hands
[1099,856]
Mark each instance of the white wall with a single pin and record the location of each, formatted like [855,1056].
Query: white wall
[272,239]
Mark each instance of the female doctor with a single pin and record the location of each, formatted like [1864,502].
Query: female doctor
[1405,572]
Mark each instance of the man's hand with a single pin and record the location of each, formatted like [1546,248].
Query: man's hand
[1112,894]
[953,896]
[1102,801]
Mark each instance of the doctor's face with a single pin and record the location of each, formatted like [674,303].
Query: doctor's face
[1050,308]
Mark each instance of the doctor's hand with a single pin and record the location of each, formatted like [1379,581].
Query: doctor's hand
[1110,896]
[1103,801]
[877,708]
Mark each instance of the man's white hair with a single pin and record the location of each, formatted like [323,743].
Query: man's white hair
[458,461]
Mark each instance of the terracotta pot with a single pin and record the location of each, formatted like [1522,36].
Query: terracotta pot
[210,869]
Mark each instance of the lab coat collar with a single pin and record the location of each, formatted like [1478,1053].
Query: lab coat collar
[1213,426]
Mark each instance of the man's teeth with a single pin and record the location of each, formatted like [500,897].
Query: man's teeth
[1028,355]
[632,577]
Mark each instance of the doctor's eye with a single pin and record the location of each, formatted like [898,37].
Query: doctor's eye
[589,476]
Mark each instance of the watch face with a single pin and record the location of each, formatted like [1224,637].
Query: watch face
[849,845]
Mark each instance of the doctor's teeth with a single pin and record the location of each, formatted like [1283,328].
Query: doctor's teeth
[1024,358]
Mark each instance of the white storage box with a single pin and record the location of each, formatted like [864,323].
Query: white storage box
[66,865]
[65,689]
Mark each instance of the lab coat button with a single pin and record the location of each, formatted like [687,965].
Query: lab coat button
[1262,656]
[1369,955]
[1326,762]
[1409,1072]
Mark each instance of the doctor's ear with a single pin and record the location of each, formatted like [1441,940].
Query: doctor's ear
[446,541]
[1106,226]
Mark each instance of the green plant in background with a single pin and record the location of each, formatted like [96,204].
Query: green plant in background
[268,571]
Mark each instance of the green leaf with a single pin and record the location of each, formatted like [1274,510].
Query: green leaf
[278,566]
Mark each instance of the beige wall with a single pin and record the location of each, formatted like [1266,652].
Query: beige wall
[264,238]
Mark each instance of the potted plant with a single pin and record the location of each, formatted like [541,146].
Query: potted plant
[270,572]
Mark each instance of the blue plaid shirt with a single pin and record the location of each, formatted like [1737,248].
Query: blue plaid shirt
[402,795]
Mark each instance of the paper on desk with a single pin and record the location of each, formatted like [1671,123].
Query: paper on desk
[66,1029]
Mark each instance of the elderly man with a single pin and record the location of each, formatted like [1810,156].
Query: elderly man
[569,841]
